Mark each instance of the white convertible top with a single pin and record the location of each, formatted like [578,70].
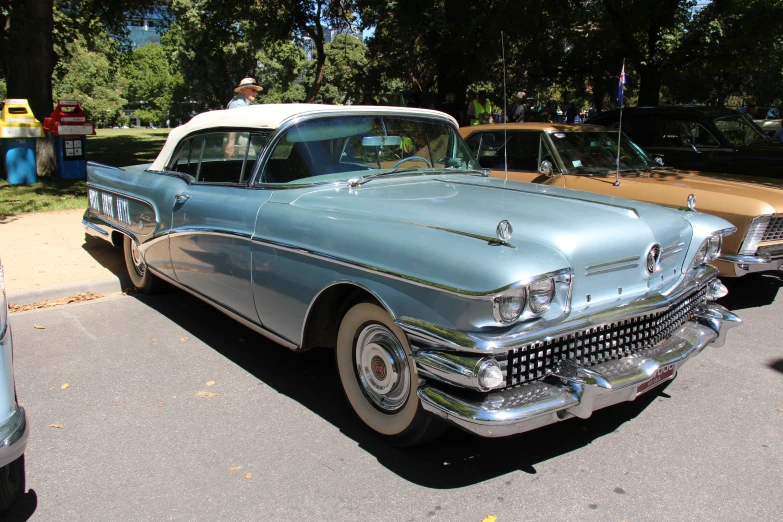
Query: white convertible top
[270,117]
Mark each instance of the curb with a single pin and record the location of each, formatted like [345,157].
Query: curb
[106,286]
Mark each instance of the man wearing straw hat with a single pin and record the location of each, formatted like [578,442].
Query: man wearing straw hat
[246,93]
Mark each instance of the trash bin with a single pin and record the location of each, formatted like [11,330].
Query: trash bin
[70,129]
[18,131]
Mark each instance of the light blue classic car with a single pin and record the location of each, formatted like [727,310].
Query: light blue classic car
[447,295]
[14,429]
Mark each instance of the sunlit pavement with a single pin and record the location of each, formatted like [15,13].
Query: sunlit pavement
[173,411]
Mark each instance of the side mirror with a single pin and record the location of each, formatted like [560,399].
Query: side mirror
[658,160]
[546,168]
[687,141]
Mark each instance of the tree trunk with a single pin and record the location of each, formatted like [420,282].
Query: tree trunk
[28,57]
[649,85]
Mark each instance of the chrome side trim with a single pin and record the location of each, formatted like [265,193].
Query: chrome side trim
[103,166]
[489,239]
[208,232]
[671,250]
[544,194]
[488,294]
[429,335]
[94,228]
[609,263]
[120,193]
[574,391]
[229,312]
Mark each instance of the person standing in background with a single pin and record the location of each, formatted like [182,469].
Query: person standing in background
[246,93]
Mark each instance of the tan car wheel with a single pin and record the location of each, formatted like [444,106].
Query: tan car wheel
[377,377]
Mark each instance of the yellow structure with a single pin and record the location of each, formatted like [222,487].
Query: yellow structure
[18,121]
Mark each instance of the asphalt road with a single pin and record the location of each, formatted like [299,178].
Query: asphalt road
[175,412]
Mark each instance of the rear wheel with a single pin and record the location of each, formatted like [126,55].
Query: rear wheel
[377,378]
[141,277]
[12,483]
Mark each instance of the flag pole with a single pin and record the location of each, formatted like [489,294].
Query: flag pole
[620,128]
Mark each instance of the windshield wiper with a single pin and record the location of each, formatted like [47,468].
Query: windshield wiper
[355,182]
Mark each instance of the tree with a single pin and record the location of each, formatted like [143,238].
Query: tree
[344,68]
[150,81]
[282,64]
[28,34]
[89,78]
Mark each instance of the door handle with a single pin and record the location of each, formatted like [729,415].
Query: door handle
[181,198]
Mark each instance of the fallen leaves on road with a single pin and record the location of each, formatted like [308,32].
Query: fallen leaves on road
[154,340]
[780,409]
[233,469]
[64,386]
[248,475]
[58,426]
[39,327]
[489,518]
[206,394]
[160,405]
[210,383]
[78,298]
[183,339]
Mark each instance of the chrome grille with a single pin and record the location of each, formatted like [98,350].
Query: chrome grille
[600,343]
[774,231]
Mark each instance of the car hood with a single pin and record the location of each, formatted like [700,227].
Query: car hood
[442,230]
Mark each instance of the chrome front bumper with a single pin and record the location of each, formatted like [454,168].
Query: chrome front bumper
[765,260]
[14,432]
[574,391]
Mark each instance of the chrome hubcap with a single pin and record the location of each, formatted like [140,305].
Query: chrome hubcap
[382,367]
[138,261]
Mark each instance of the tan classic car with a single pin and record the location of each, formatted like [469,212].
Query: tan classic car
[584,157]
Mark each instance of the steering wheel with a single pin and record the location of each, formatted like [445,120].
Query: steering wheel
[409,158]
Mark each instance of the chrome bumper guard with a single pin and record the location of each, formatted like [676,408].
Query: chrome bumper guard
[14,433]
[95,227]
[574,391]
[765,260]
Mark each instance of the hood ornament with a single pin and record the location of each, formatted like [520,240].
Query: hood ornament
[691,202]
[504,230]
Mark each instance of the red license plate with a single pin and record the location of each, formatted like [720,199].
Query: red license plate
[663,374]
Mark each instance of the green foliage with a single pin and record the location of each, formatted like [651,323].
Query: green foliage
[90,78]
[346,62]
[151,82]
[281,65]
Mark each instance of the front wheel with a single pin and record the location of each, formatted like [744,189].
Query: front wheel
[12,483]
[141,277]
[377,378]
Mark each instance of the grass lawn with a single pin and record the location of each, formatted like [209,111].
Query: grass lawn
[117,147]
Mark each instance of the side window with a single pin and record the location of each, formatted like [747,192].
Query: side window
[473,143]
[257,142]
[641,130]
[187,156]
[490,155]
[523,149]
[679,133]
[224,156]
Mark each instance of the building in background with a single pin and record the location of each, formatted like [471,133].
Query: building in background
[147,28]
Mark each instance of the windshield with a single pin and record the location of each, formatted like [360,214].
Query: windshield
[739,129]
[596,152]
[340,148]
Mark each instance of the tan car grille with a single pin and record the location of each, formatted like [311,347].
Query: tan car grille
[774,231]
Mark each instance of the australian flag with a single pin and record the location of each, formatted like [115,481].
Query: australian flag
[620,87]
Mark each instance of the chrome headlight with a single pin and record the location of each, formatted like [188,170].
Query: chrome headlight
[535,297]
[508,306]
[540,295]
[708,251]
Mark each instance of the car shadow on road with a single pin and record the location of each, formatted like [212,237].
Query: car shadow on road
[456,459]
[109,256]
[23,508]
[751,291]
